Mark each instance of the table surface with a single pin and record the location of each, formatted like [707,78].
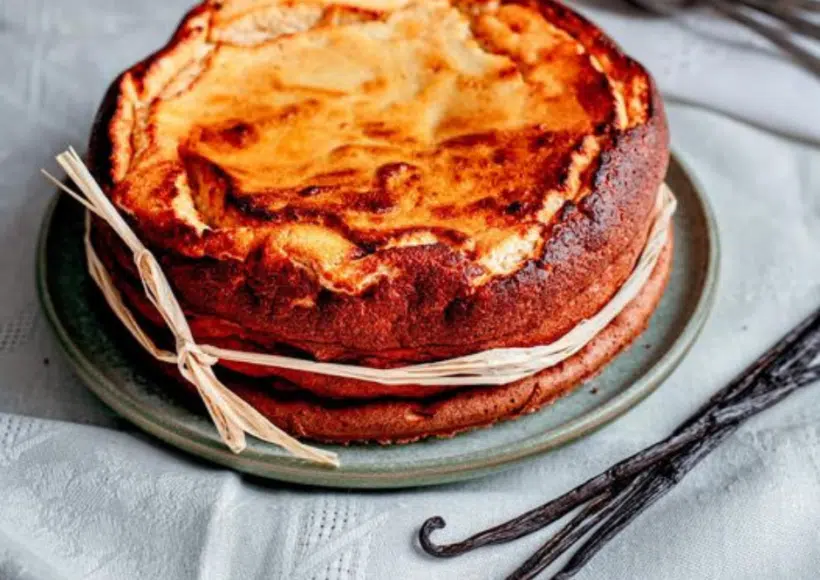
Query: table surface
[85,496]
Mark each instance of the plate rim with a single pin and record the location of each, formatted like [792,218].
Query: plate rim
[298,471]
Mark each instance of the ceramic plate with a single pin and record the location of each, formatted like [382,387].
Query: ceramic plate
[102,355]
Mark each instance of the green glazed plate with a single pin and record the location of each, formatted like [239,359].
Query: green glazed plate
[103,356]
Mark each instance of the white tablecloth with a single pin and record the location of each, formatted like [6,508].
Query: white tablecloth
[83,496]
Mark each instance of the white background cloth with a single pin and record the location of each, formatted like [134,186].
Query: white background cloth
[83,496]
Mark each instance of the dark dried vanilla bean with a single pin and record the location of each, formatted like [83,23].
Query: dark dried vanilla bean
[780,371]
[590,516]
[656,484]
[728,420]
[804,331]
[808,376]
[554,510]
[649,486]
[662,478]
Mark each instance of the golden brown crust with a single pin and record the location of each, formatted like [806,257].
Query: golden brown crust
[397,420]
[399,303]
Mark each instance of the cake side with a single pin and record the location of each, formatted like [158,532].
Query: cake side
[444,413]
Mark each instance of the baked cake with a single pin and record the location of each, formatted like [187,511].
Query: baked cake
[382,183]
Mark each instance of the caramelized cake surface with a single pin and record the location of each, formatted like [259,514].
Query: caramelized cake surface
[383,181]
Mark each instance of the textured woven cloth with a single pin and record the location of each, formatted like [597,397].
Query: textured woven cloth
[84,496]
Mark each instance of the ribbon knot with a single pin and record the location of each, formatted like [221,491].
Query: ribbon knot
[188,348]
[232,416]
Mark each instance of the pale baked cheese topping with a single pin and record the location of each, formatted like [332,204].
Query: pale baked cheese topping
[376,125]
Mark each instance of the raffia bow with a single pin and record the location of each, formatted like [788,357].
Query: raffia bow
[232,416]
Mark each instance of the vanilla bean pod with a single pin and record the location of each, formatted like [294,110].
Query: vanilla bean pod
[553,510]
[809,375]
[658,481]
[655,484]
[645,488]
[592,514]
[801,333]
[787,358]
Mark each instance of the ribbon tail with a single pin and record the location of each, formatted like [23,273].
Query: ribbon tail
[257,425]
[238,416]
[227,423]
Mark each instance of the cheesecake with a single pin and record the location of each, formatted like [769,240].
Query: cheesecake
[384,183]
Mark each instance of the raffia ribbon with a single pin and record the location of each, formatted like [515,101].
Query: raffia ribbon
[234,417]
